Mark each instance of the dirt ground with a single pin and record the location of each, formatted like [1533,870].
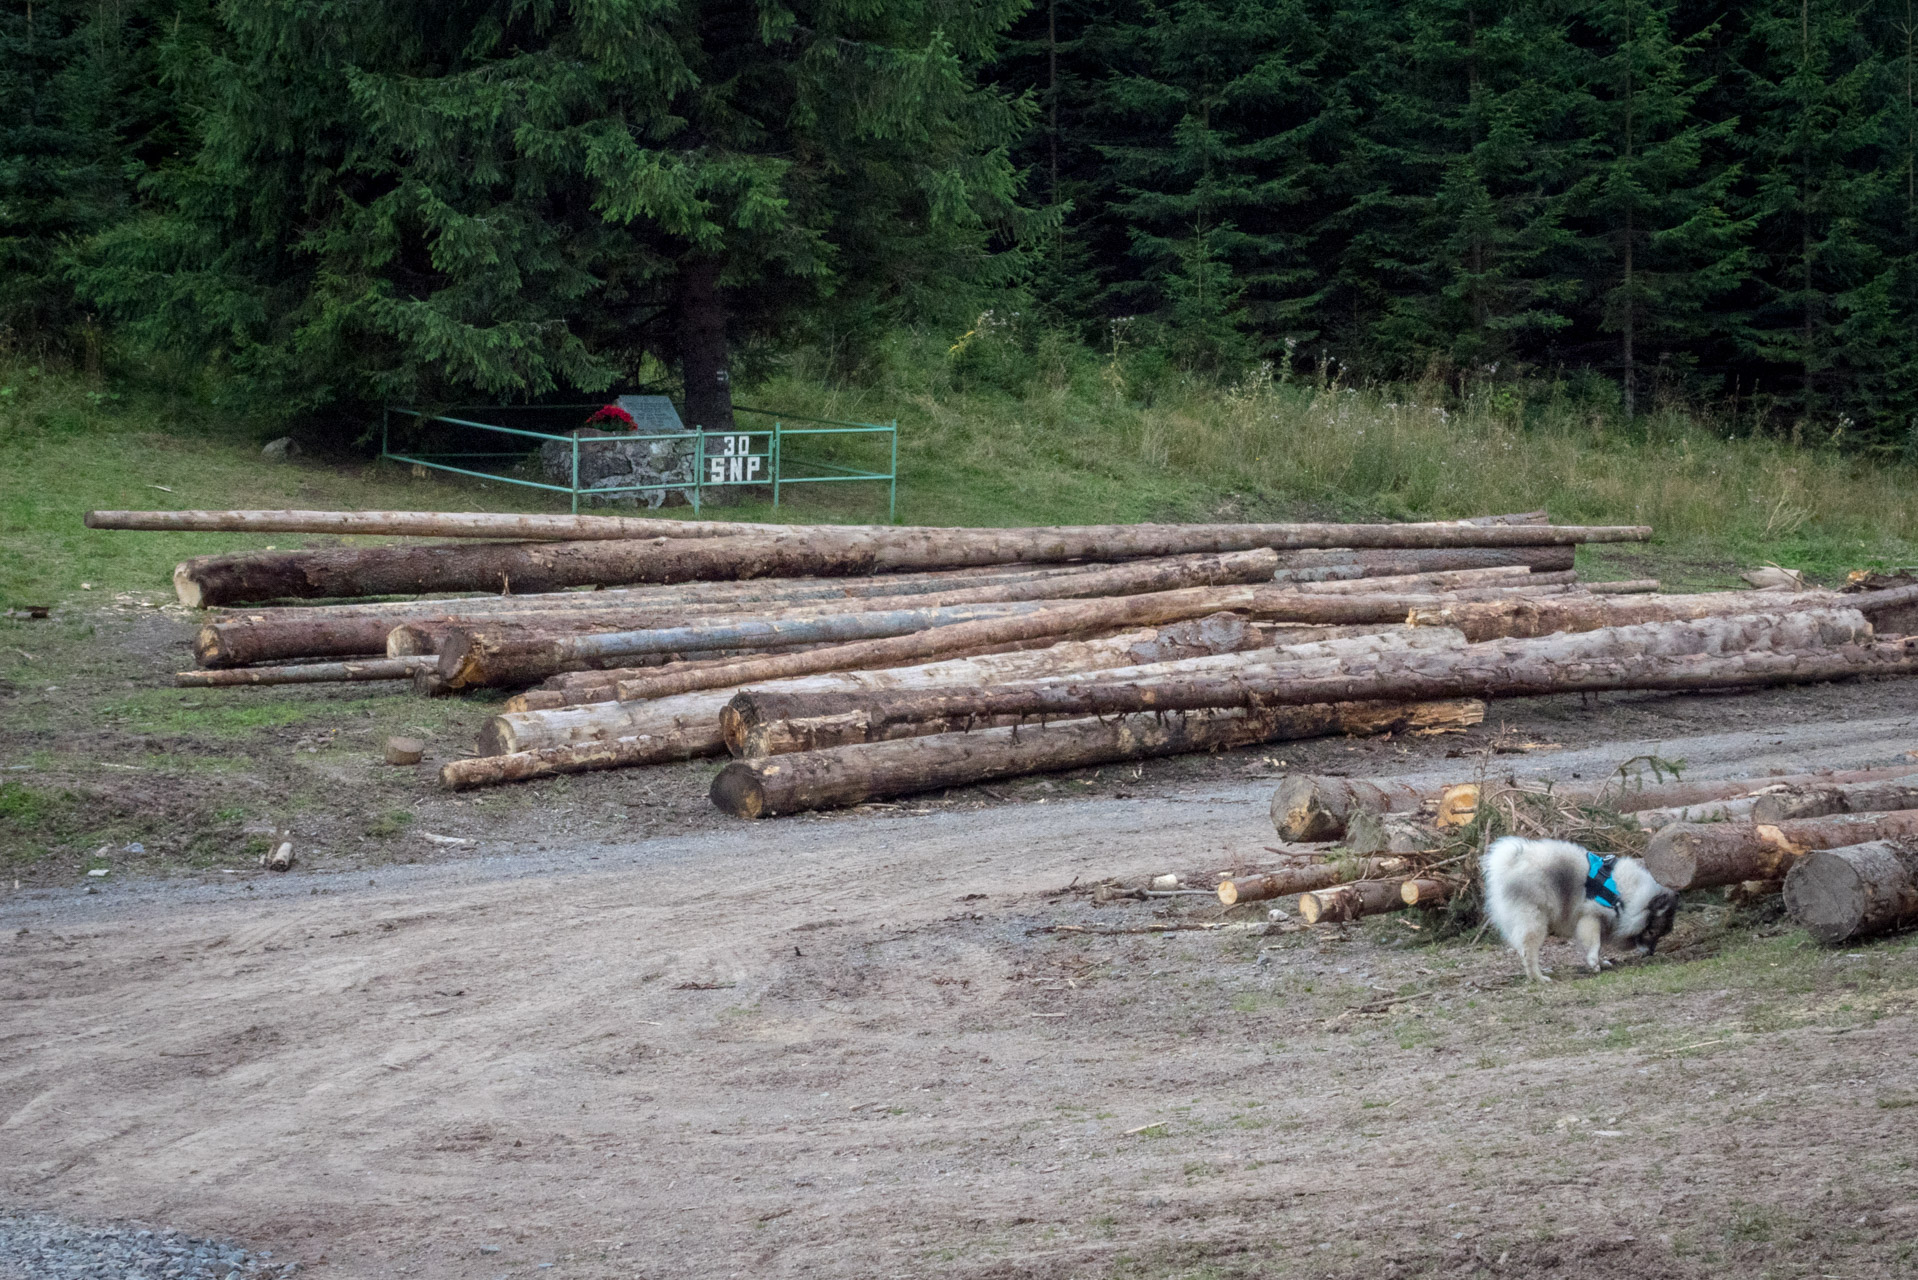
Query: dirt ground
[622,1036]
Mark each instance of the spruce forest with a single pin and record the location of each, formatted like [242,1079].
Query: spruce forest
[325,205]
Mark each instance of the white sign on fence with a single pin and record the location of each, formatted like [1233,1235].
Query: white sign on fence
[734,463]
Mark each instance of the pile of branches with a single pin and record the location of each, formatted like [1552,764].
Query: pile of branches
[1842,847]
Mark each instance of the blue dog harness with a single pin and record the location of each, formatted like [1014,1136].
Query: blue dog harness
[1600,887]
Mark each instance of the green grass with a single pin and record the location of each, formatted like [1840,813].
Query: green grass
[1025,432]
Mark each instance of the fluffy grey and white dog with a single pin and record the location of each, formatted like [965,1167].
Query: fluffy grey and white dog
[1536,888]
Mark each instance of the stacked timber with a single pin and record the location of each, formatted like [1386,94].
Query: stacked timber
[842,664]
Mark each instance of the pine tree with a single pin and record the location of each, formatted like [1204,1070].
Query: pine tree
[434,201]
[1814,126]
[1665,246]
[1205,127]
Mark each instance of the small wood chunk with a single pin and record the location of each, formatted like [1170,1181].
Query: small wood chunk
[404,750]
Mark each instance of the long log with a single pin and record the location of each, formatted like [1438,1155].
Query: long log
[1267,603]
[1351,901]
[1839,895]
[1198,637]
[273,633]
[550,566]
[1427,892]
[307,673]
[1445,580]
[1294,880]
[851,775]
[1520,618]
[755,725]
[1345,564]
[1709,855]
[1795,648]
[501,525]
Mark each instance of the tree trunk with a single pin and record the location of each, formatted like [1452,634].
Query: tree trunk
[1712,854]
[819,552]
[433,524]
[1529,617]
[1293,880]
[1834,798]
[1839,895]
[1442,580]
[582,757]
[880,770]
[523,731]
[307,673]
[294,631]
[1344,565]
[1625,587]
[1681,655]
[703,350]
[1351,901]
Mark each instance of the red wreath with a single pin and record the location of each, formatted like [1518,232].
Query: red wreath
[613,416]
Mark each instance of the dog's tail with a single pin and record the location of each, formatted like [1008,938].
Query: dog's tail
[1498,860]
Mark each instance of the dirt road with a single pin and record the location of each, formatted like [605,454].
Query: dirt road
[851,1047]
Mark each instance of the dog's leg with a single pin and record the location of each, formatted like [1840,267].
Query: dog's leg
[1590,937]
[1528,948]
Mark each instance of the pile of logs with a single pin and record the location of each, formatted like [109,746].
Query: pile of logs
[1842,847]
[845,664]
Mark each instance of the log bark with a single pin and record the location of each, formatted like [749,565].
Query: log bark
[1426,892]
[1294,880]
[293,631]
[1337,565]
[1185,645]
[755,724]
[880,770]
[1448,580]
[1628,587]
[1713,854]
[1816,645]
[480,657]
[579,757]
[1353,901]
[307,673]
[1522,618]
[1199,637]
[1839,895]
[1270,604]
[1785,804]
[550,566]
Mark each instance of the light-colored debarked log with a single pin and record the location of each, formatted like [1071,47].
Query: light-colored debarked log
[344,572]
[307,673]
[1811,645]
[757,722]
[1294,880]
[844,776]
[1841,895]
[1487,620]
[1194,638]
[1354,901]
[1710,855]
[269,634]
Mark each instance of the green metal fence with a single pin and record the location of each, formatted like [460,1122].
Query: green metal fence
[771,456]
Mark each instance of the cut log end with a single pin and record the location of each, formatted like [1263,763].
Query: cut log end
[1457,806]
[737,791]
[186,586]
[1828,894]
[496,737]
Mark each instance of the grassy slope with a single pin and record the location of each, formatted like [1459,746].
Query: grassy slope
[1066,447]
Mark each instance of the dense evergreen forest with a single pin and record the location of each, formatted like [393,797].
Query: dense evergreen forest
[326,203]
